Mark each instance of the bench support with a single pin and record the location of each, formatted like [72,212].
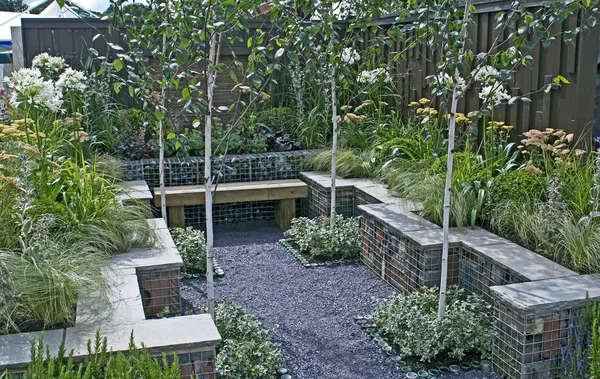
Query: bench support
[176,217]
[285,211]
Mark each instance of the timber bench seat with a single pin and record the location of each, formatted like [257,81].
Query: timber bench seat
[283,192]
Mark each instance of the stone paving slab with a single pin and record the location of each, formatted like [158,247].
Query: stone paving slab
[396,217]
[550,295]
[123,305]
[525,262]
[15,348]
[432,238]
[134,191]
[174,334]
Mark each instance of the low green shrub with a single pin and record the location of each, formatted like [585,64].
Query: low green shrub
[411,324]
[247,350]
[278,119]
[324,243]
[99,363]
[515,185]
[192,246]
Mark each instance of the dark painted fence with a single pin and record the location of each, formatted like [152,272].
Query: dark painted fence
[570,107]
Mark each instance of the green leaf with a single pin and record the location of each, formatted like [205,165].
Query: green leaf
[292,56]
[117,87]
[118,65]
[560,79]
[250,43]
[171,136]
[61,3]
[233,77]
[159,114]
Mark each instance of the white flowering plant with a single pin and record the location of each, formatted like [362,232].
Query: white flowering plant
[29,89]
[349,56]
[377,75]
[49,65]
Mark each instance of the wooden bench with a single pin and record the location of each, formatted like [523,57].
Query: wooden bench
[284,192]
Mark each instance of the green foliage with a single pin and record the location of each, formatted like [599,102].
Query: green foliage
[278,119]
[349,163]
[99,363]
[594,356]
[192,246]
[258,144]
[324,243]
[516,185]
[12,6]
[246,351]
[412,325]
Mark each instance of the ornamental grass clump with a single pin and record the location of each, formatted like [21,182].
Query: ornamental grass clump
[411,323]
[323,242]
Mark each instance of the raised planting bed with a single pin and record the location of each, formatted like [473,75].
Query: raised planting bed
[533,323]
[305,260]
[412,367]
[141,283]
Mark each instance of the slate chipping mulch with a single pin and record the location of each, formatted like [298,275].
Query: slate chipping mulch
[313,308]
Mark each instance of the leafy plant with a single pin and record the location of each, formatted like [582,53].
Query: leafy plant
[516,185]
[278,119]
[99,363]
[247,350]
[412,324]
[325,242]
[192,246]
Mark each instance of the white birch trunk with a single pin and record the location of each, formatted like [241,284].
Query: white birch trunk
[161,148]
[210,81]
[333,146]
[448,186]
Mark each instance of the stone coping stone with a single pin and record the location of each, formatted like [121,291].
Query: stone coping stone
[324,180]
[551,295]
[163,255]
[165,335]
[525,262]
[433,238]
[396,217]
[122,305]
[367,186]
[157,223]
[136,190]
[15,349]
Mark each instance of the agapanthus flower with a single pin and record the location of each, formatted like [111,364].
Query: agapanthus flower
[71,80]
[48,62]
[374,76]
[485,74]
[350,56]
[494,95]
[446,82]
[28,86]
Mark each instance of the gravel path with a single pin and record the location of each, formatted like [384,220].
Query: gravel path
[313,308]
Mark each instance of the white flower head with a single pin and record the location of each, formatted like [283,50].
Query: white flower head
[71,80]
[45,61]
[28,86]
[445,81]
[350,56]
[374,76]
[494,95]
[485,74]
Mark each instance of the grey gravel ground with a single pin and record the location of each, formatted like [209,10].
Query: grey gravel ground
[313,308]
